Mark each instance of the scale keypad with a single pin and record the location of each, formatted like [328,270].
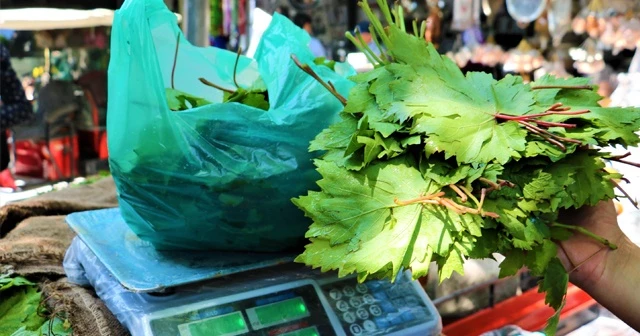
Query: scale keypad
[376,307]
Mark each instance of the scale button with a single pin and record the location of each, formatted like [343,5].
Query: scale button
[406,289]
[362,289]
[395,319]
[407,316]
[335,294]
[382,296]
[374,285]
[368,299]
[363,314]
[388,307]
[369,325]
[394,292]
[375,310]
[349,317]
[382,322]
[355,329]
[399,302]
[421,314]
[348,291]
[342,306]
[356,302]
[412,301]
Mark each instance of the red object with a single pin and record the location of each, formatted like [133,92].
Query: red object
[6,179]
[61,158]
[56,162]
[94,87]
[528,311]
[103,152]
[29,160]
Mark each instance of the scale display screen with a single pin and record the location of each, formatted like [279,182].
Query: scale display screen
[226,325]
[277,313]
[292,312]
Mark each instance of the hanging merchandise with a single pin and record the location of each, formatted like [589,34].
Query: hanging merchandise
[466,14]
[559,18]
[525,11]
[627,93]
[490,8]
[541,28]
[588,58]
[523,59]
[227,17]
[217,19]
[434,25]
[627,35]
[556,66]
[460,53]
[591,20]
[242,17]
[488,54]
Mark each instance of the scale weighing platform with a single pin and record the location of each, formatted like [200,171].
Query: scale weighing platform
[181,293]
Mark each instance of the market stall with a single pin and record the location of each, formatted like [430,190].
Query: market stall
[279,193]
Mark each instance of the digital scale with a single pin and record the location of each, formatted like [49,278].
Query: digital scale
[196,293]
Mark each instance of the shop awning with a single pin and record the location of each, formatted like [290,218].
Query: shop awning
[54,18]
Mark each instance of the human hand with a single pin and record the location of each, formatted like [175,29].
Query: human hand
[610,276]
[586,258]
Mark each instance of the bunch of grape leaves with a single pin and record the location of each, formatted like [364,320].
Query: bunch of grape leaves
[428,164]
[178,100]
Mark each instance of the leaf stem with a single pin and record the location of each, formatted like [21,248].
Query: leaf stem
[490,183]
[384,7]
[547,138]
[375,22]
[549,133]
[462,195]
[589,234]
[175,62]
[624,192]
[419,199]
[306,68]
[235,67]
[215,86]
[623,156]
[623,161]
[360,46]
[400,18]
[473,198]
[423,29]
[383,53]
[554,112]
[365,47]
[563,87]
[554,124]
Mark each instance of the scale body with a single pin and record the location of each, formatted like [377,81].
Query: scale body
[229,294]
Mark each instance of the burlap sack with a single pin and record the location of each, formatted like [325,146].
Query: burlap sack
[36,240]
[99,195]
[37,246]
[86,312]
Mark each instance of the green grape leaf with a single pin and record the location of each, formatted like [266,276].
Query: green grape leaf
[513,261]
[181,101]
[554,282]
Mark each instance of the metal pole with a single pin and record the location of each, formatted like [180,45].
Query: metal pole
[197,21]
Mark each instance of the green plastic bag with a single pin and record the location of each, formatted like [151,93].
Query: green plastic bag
[221,176]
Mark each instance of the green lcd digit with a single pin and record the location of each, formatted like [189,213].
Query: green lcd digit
[277,313]
[225,325]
